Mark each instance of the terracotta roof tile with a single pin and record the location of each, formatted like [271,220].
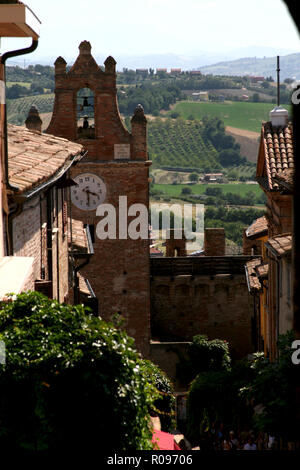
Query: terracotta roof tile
[262,270]
[34,158]
[285,178]
[253,281]
[279,153]
[280,245]
[82,284]
[258,227]
[79,237]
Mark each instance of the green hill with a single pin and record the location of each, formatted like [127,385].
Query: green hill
[180,143]
[238,114]
[17,109]
[266,66]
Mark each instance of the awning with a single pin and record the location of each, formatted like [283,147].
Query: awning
[164,440]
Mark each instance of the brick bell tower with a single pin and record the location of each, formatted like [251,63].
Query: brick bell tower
[116,165]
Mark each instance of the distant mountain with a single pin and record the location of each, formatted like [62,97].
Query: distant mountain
[191,60]
[289,67]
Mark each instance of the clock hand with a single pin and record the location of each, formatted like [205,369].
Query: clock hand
[94,194]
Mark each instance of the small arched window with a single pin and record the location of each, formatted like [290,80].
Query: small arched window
[85,114]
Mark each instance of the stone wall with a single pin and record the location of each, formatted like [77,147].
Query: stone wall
[215,304]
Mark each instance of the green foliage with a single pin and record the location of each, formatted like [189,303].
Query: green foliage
[215,396]
[186,191]
[232,220]
[193,177]
[204,355]
[213,191]
[71,380]
[164,406]
[274,387]
[208,355]
[153,98]
[17,109]
[200,189]
[243,115]
[230,157]
[179,143]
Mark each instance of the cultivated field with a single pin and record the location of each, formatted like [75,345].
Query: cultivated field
[174,190]
[237,114]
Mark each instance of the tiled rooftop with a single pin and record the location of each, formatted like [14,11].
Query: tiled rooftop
[253,282]
[259,226]
[82,284]
[285,179]
[34,158]
[262,270]
[280,245]
[279,150]
[79,238]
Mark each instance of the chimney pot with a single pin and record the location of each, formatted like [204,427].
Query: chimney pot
[279,117]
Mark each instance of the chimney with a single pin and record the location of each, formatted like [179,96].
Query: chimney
[175,243]
[279,117]
[214,242]
[33,121]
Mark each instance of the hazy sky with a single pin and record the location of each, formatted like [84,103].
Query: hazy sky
[130,27]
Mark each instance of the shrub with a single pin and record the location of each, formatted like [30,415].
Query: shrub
[165,403]
[186,191]
[71,380]
[214,396]
[204,355]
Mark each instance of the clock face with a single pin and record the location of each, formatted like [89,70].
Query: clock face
[89,192]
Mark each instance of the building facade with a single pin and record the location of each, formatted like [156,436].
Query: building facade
[115,171]
[36,225]
[270,278]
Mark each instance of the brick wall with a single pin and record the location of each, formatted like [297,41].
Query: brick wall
[214,241]
[30,231]
[27,236]
[119,269]
[217,305]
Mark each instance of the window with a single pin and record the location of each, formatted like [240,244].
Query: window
[85,114]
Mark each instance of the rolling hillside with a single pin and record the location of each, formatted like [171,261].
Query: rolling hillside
[266,66]
[180,143]
[17,109]
[241,115]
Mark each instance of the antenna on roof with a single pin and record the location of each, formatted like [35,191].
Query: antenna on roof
[278,82]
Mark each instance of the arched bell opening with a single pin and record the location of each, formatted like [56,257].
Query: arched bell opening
[85,114]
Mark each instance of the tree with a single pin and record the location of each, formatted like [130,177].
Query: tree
[255,97]
[71,380]
[186,191]
[193,177]
[213,191]
[274,389]
[229,157]
[214,395]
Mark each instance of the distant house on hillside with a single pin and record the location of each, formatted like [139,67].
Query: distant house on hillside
[143,72]
[195,72]
[161,71]
[200,96]
[213,177]
[256,80]
[175,71]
